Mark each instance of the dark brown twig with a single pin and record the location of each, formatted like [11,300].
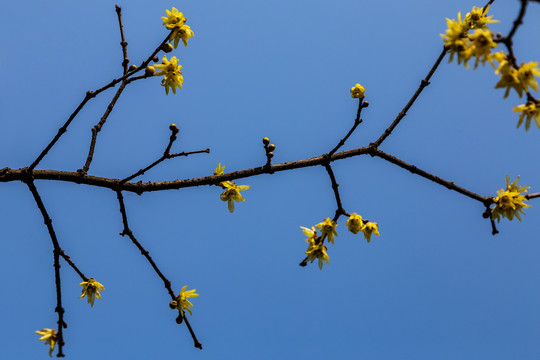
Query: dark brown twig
[97,128]
[340,210]
[413,169]
[127,231]
[123,43]
[56,252]
[91,94]
[357,121]
[403,112]
[166,155]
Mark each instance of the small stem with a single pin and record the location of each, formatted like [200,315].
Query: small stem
[123,43]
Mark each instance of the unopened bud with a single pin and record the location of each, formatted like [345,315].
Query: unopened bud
[167,48]
[365,104]
[179,319]
[149,70]
[155,59]
[132,67]
[173,304]
[266,141]
[271,147]
[270,155]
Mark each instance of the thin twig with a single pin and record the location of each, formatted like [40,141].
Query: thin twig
[91,94]
[59,309]
[127,231]
[123,43]
[403,112]
[162,158]
[448,184]
[357,121]
[339,211]
[97,128]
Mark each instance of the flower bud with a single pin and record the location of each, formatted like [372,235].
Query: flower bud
[149,70]
[173,127]
[132,67]
[266,141]
[155,59]
[179,319]
[167,48]
[271,147]
[270,155]
[173,304]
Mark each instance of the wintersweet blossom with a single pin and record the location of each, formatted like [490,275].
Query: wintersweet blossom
[510,202]
[182,300]
[370,228]
[480,46]
[232,193]
[172,76]
[358,91]
[316,249]
[176,22]
[328,228]
[173,19]
[477,18]
[526,75]
[183,32]
[50,337]
[528,111]
[91,289]
[455,39]
[355,223]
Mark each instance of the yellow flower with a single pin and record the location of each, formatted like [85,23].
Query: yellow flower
[219,170]
[510,202]
[183,32]
[316,248]
[529,110]
[182,300]
[477,18]
[357,91]
[526,75]
[172,75]
[370,228]
[173,19]
[176,21]
[355,223]
[509,79]
[456,39]
[91,289]
[50,338]
[328,228]
[232,193]
[480,46]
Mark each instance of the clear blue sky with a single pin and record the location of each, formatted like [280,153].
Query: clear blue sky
[435,285]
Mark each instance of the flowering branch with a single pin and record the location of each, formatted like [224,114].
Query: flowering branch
[127,231]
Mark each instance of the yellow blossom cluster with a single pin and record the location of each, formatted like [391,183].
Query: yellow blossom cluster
[91,289]
[170,70]
[50,337]
[176,22]
[510,202]
[317,250]
[232,191]
[459,41]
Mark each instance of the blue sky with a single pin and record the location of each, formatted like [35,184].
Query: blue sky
[435,285]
